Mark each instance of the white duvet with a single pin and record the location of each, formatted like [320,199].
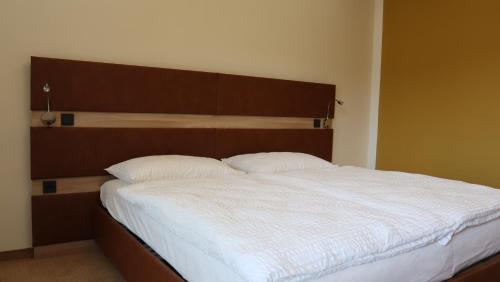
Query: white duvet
[301,225]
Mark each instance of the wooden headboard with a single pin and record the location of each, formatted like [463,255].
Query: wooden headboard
[108,113]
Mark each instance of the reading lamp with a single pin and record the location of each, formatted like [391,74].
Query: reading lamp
[327,118]
[47,118]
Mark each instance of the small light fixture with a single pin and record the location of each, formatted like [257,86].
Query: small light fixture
[47,118]
[326,120]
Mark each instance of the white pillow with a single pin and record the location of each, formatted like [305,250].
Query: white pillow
[169,167]
[275,162]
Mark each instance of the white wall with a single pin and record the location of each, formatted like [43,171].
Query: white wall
[327,41]
[375,83]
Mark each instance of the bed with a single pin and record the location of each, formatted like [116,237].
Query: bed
[434,259]
[108,113]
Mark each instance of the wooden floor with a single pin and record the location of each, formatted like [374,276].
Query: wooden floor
[90,265]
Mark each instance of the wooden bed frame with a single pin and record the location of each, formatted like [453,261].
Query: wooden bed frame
[130,257]
[137,264]
[107,113]
[128,254]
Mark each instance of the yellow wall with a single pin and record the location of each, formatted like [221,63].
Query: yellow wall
[318,40]
[440,89]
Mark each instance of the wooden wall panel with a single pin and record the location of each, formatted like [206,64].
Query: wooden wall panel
[232,142]
[76,152]
[122,112]
[63,218]
[255,96]
[100,87]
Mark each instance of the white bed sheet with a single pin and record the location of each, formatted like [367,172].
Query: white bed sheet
[434,262]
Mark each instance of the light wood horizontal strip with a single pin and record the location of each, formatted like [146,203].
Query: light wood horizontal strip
[71,185]
[134,120]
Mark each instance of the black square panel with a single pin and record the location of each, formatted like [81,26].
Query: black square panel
[67,119]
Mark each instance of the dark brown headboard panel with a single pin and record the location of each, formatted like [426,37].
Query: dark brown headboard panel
[63,218]
[100,87]
[77,152]
[232,142]
[255,96]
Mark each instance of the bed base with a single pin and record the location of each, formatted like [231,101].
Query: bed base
[138,263]
[128,254]
[485,270]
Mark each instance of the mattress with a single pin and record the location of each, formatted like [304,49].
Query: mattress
[433,262]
